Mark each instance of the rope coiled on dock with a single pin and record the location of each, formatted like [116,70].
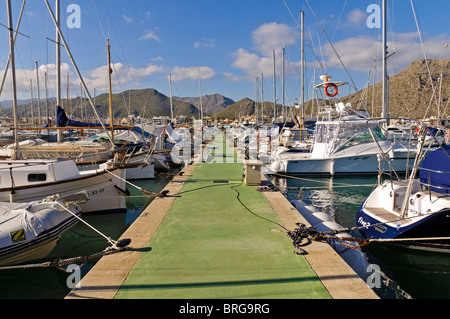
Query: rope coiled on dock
[302,232]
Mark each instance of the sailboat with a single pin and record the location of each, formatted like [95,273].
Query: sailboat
[31,180]
[413,212]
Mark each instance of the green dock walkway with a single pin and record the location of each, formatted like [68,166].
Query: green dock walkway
[215,238]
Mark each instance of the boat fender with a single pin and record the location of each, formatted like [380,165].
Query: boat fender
[355,258]
[391,153]
[275,166]
[332,168]
[303,209]
[318,218]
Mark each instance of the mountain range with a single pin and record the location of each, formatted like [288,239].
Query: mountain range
[410,95]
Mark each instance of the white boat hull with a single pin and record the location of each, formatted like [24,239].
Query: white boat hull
[30,233]
[106,190]
[363,164]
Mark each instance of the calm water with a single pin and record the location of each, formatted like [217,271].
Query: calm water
[80,240]
[419,274]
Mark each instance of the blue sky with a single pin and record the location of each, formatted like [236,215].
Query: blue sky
[229,43]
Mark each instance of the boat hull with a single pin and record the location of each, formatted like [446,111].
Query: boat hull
[435,225]
[362,164]
[41,245]
[106,191]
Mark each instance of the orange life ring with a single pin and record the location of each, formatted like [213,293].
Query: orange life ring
[331,85]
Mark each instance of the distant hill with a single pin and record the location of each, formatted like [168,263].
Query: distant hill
[245,107]
[410,94]
[143,102]
[211,104]
[410,91]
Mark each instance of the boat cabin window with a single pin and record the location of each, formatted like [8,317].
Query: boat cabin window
[37,177]
[364,136]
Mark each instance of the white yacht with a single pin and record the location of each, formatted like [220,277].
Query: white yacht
[345,142]
[33,180]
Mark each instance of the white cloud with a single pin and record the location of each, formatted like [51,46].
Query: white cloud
[98,78]
[150,35]
[205,44]
[358,53]
[266,38]
[158,58]
[127,18]
[357,17]
[192,73]
[273,35]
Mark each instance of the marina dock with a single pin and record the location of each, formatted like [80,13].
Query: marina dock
[214,237]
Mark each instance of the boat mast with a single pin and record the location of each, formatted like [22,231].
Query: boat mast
[77,71]
[385,102]
[274,90]
[170,96]
[302,64]
[111,115]
[58,62]
[282,86]
[13,79]
[262,98]
[201,103]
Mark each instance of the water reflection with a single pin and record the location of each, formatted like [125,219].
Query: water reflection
[80,240]
[421,274]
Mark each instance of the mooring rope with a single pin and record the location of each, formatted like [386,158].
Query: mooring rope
[116,246]
[60,263]
[302,232]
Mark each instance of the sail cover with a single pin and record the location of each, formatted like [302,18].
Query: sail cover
[436,170]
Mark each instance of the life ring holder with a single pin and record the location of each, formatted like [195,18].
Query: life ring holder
[334,92]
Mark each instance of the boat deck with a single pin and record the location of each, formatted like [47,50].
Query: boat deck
[214,237]
[386,216]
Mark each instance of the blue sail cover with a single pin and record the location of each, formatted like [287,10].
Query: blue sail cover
[62,120]
[437,160]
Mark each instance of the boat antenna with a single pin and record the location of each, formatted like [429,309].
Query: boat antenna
[339,58]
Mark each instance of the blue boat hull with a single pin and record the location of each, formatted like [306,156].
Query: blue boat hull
[436,225]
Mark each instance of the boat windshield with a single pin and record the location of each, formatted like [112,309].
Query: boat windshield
[363,136]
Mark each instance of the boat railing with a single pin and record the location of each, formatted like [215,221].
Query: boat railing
[429,186]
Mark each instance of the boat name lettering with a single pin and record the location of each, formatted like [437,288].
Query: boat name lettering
[96,192]
[363,223]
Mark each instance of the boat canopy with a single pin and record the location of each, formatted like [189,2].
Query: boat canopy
[435,170]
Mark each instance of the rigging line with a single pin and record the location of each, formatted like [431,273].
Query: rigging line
[309,44]
[120,46]
[111,241]
[342,12]
[425,56]
[100,22]
[339,58]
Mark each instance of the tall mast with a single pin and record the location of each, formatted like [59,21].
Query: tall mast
[38,93]
[171,103]
[274,90]
[385,102]
[262,98]
[201,104]
[58,62]
[282,85]
[111,115]
[13,78]
[302,63]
